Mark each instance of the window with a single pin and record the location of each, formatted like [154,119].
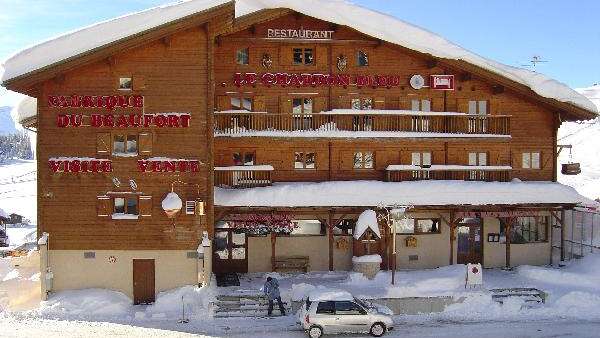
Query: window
[362,122]
[244,158]
[326,308]
[125,83]
[362,59]
[302,109]
[125,206]
[348,308]
[418,226]
[344,227]
[364,160]
[310,227]
[477,159]
[478,107]
[531,160]
[421,159]
[303,56]
[478,124]
[241,103]
[242,56]
[304,160]
[365,103]
[527,230]
[421,105]
[125,145]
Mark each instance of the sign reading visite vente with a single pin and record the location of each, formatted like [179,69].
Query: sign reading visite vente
[273,33]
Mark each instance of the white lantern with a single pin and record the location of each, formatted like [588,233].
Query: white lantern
[172,204]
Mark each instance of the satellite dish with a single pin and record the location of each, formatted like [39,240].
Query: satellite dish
[417,81]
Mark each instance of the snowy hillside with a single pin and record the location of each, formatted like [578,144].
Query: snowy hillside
[584,138]
[18,184]
[7,125]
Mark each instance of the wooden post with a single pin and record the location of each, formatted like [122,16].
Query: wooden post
[273,240]
[330,235]
[452,226]
[562,235]
[507,230]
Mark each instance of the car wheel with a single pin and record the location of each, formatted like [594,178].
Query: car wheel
[377,329]
[315,332]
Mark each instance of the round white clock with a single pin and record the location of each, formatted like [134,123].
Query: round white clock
[417,81]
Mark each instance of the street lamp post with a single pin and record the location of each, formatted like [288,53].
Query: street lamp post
[393,213]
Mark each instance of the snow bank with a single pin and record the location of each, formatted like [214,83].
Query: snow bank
[324,294]
[366,220]
[373,193]
[169,303]
[369,22]
[86,303]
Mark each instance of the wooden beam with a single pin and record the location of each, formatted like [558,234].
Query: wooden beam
[452,225]
[330,242]
[273,241]
[507,230]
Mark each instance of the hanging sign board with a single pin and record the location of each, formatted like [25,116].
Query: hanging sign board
[498,214]
[441,82]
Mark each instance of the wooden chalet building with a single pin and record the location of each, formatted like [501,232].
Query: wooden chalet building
[295,118]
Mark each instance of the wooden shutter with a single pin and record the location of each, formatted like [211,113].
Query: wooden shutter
[103,206]
[145,206]
[139,82]
[322,56]
[347,160]
[379,103]
[437,104]
[404,103]
[286,55]
[462,105]
[223,103]
[319,104]
[259,104]
[494,107]
[285,105]
[103,143]
[145,143]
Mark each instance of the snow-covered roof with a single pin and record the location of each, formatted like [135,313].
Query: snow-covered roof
[369,22]
[26,109]
[415,193]
[324,295]
[366,220]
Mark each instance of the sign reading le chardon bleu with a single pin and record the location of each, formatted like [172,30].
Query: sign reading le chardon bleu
[298,34]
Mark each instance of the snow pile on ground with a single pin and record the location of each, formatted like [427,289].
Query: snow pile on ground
[373,193]
[109,305]
[367,259]
[375,24]
[19,282]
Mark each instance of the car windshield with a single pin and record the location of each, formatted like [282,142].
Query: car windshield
[362,303]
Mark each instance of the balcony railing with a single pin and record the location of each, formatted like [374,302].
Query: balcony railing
[403,123]
[399,173]
[243,176]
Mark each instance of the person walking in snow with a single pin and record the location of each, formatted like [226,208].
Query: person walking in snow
[271,290]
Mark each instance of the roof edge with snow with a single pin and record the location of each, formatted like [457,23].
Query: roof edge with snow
[89,39]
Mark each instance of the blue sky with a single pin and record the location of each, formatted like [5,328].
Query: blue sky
[564,33]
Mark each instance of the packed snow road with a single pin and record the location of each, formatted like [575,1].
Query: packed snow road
[281,328]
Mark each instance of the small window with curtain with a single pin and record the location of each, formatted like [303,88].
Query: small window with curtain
[241,103]
[533,229]
[364,160]
[304,160]
[242,158]
[125,207]
[421,105]
[125,145]
[242,56]
[303,56]
[362,58]
[531,160]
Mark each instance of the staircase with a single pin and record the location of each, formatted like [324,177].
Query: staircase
[246,305]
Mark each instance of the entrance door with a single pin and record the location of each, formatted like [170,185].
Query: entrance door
[230,253]
[470,248]
[143,281]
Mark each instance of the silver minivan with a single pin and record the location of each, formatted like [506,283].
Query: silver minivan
[332,311]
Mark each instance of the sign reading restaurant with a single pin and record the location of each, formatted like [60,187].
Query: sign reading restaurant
[299,34]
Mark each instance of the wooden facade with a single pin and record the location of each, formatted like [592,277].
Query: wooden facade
[190,66]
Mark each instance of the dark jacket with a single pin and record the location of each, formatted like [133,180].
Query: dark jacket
[271,289]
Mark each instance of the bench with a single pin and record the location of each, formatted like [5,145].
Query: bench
[292,264]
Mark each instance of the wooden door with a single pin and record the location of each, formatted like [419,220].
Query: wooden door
[469,240]
[143,281]
[230,253]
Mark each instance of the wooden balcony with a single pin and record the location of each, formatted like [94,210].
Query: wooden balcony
[243,176]
[399,173]
[377,123]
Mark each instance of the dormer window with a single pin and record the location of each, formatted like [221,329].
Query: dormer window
[362,59]
[303,56]
[242,56]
